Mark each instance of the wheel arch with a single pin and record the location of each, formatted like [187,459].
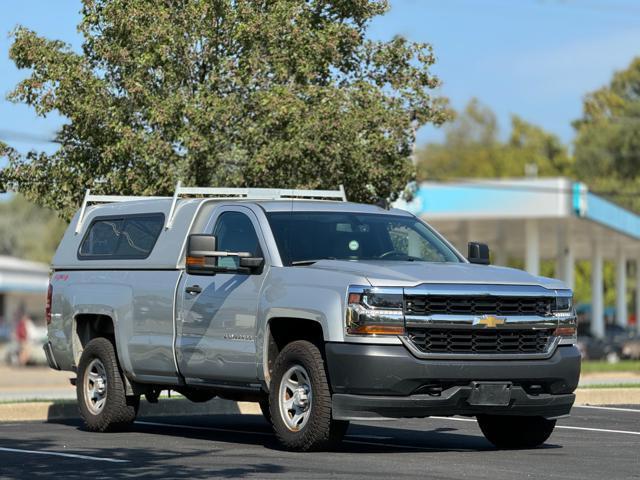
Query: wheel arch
[281,331]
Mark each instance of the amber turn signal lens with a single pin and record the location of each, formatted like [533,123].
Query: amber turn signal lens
[196,261]
[565,331]
[377,330]
[354,298]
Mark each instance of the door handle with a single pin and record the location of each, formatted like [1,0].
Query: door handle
[193,289]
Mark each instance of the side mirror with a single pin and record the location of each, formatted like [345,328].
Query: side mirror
[478,253]
[203,257]
[201,254]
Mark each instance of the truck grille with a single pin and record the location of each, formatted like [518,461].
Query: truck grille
[478,340]
[476,305]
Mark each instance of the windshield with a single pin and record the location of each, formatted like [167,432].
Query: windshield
[306,236]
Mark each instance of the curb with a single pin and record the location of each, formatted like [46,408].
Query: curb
[608,396]
[64,410]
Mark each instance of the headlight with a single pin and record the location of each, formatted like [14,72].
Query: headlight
[563,304]
[567,326]
[374,311]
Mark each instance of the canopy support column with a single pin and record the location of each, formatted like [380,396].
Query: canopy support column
[621,288]
[597,291]
[532,254]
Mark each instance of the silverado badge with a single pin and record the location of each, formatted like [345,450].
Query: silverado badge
[489,321]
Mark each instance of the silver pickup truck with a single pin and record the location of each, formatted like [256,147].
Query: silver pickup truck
[321,310]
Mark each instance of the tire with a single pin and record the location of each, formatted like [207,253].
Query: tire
[98,372]
[307,425]
[513,432]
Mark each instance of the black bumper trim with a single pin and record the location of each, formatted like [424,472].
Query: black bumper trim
[391,370]
[451,402]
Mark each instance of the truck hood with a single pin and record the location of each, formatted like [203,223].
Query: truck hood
[391,273]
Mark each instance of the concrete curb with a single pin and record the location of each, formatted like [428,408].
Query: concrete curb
[67,409]
[61,409]
[608,396]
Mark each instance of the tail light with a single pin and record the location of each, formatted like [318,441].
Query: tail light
[47,308]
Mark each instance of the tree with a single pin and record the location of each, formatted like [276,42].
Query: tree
[286,93]
[472,148]
[607,144]
[28,231]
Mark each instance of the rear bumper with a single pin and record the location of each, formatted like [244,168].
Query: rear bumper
[386,381]
[51,360]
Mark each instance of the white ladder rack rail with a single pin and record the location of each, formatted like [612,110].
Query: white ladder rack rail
[88,199]
[217,193]
[252,194]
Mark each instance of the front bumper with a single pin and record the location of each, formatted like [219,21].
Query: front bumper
[386,381]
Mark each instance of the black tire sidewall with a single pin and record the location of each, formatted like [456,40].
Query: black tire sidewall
[118,410]
[515,432]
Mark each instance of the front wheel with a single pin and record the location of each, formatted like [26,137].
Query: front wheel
[300,400]
[100,389]
[511,432]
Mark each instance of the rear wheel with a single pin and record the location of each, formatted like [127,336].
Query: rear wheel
[100,389]
[300,400]
[506,431]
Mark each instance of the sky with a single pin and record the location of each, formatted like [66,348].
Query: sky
[533,58]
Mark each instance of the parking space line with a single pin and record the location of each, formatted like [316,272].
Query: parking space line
[60,454]
[565,427]
[603,430]
[614,409]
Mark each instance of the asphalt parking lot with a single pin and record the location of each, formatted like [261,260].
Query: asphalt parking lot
[595,443]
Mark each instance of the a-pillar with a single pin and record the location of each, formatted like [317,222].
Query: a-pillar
[621,288]
[597,291]
[532,241]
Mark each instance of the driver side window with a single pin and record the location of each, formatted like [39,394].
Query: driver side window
[235,233]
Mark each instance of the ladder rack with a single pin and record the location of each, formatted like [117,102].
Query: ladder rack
[217,193]
[88,198]
[252,194]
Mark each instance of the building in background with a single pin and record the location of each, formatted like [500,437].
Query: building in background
[540,219]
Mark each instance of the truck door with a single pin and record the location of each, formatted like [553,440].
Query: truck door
[216,328]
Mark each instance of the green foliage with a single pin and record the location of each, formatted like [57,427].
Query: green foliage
[607,145]
[598,366]
[472,148]
[286,93]
[28,231]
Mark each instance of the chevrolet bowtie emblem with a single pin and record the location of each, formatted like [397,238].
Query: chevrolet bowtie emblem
[489,321]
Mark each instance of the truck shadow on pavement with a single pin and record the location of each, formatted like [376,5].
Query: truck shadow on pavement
[254,430]
[198,446]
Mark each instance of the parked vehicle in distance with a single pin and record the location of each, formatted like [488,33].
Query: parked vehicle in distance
[324,311]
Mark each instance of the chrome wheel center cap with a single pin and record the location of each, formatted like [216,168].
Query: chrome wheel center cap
[300,397]
[100,385]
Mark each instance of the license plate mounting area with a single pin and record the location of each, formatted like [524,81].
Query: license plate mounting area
[490,394]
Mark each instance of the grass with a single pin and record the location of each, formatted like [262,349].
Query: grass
[601,366]
[610,385]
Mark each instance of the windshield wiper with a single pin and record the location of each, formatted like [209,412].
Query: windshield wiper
[298,263]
